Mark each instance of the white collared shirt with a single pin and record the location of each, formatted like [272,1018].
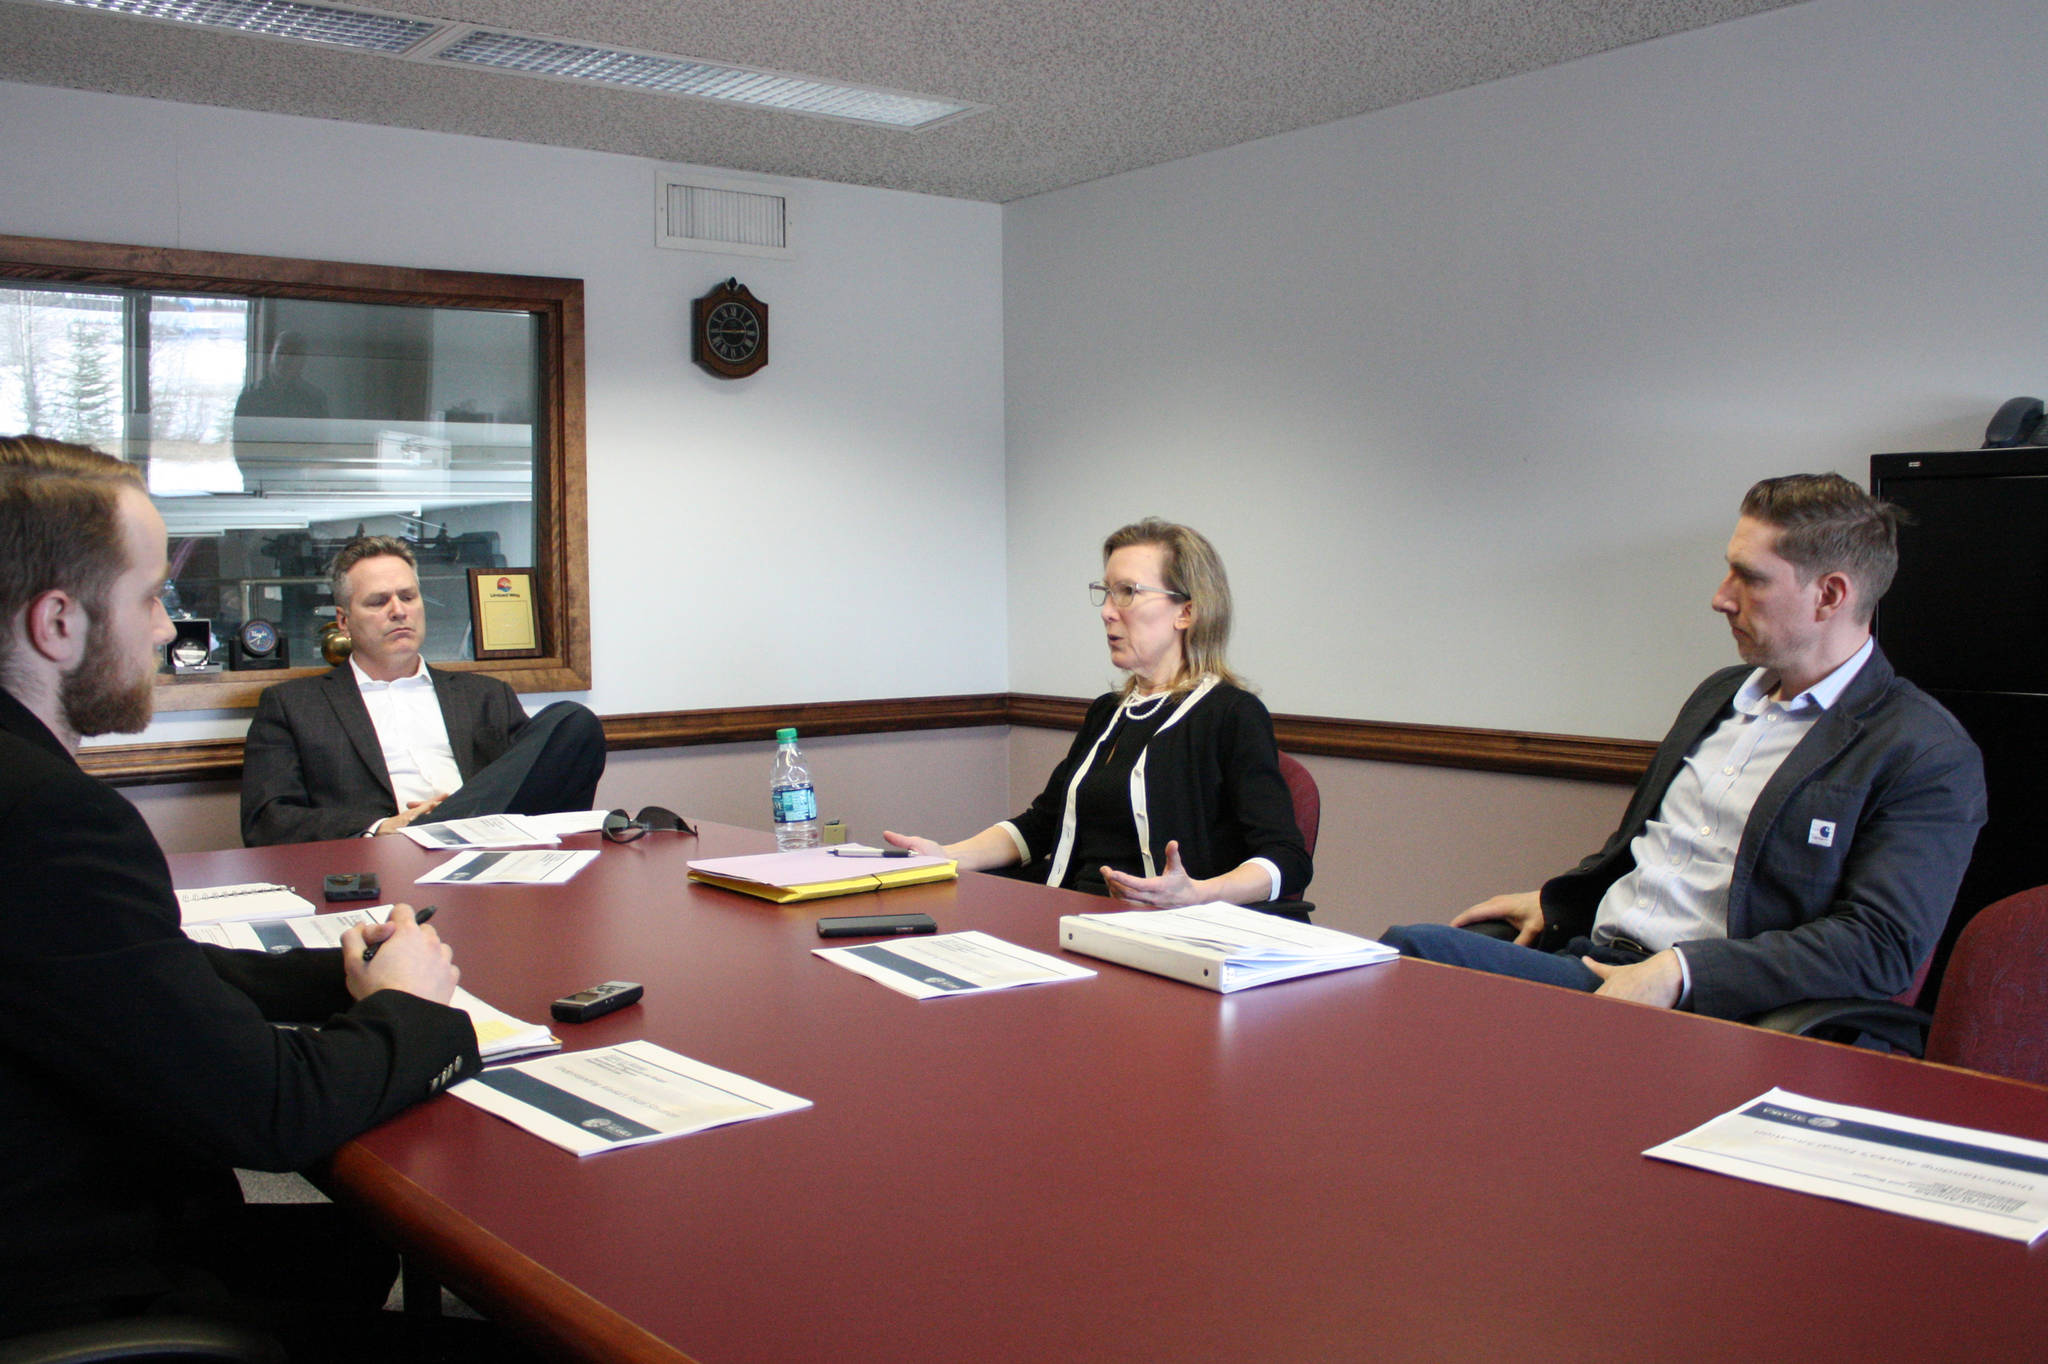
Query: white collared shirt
[1685,854]
[407,717]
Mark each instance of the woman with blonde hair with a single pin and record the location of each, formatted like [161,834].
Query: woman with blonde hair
[1171,793]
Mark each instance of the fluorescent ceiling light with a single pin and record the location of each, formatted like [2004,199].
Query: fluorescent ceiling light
[363,29]
[453,44]
[705,80]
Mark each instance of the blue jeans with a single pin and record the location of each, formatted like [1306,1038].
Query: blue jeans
[1458,947]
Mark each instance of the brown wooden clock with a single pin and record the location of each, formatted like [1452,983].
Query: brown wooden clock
[729,331]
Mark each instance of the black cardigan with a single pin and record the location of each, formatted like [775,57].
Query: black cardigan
[1212,781]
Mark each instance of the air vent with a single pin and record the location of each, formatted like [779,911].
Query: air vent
[695,214]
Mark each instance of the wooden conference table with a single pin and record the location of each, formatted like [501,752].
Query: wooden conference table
[1401,1162]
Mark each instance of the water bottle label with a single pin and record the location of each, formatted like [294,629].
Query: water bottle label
[795,804]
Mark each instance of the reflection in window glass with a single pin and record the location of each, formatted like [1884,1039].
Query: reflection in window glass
[274,430]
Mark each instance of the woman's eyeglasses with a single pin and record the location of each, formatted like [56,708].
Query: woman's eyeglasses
[1123,594]
[651,819]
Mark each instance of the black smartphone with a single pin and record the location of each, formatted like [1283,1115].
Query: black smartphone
[596,1002]
[350,886]
[875,925]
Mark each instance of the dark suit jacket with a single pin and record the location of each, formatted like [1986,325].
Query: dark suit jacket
[137,1068]
[1904,787]
[312,767]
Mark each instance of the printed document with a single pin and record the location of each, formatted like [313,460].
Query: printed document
[484,831]
[570,822]
[968,963]
[609,1097]
[282,935]
[509,868]
[1958,1175]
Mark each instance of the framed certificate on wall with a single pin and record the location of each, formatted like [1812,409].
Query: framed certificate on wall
[504,613]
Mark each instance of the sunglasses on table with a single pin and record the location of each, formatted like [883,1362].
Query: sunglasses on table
[652,819]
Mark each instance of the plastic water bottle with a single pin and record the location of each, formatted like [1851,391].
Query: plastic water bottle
[789,792]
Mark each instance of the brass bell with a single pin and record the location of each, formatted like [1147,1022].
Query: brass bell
[335,644]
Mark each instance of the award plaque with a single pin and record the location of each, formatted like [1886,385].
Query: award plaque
[504,611]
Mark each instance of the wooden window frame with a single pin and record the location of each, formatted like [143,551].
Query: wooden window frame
[561,526]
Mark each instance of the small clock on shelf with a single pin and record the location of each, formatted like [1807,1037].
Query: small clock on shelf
[257,644]
[729,331]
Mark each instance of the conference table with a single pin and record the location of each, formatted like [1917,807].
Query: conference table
[1399,1162]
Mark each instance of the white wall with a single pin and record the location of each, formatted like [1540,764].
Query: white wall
[829,529]
[1467,391]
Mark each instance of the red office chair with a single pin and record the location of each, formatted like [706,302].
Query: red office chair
[1308,800]
[1308,814]
[1993,1011]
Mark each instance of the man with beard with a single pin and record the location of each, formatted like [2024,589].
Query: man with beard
[138,1068]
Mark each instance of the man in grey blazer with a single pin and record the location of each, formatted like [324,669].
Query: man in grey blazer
[384,739]
[1804,826]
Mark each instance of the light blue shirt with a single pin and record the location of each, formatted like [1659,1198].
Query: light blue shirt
[1685,854]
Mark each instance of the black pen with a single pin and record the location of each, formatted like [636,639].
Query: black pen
[870,852]
[420,916]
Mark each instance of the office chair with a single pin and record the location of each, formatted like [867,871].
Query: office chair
[1308,815]
[142,1340]
[1307,798]
[1993,1011]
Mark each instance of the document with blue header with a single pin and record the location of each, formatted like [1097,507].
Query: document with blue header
[969,963]
[1962,1176]
[613,1097]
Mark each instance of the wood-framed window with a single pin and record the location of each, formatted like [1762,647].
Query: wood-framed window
[279,405]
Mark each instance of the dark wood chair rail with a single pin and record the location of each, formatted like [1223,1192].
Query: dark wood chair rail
[1486,750]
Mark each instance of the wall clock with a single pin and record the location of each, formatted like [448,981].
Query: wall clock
[729,331]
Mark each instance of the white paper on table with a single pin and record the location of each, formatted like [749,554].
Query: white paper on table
[484,831]
[570,821]
[1964,1177]
[951,964]
[499,1034]
[610,1097]
[509,868]
[282,935]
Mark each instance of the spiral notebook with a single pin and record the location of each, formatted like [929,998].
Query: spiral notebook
[241,904]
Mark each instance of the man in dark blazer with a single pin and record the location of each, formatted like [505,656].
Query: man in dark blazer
[384,739]
[1804,826]
[138,1068]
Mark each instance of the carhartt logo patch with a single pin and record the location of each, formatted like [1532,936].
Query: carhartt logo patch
[1821,833]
